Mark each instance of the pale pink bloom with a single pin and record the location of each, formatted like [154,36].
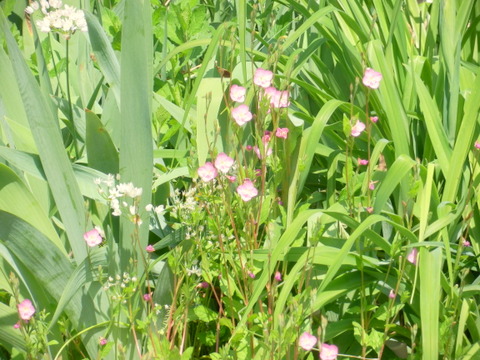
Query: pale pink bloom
[241,114]
[26,310]
[281,99]
[369,209]
[93,237]
[223,162]
[307,341]
[247,190]
[231,178]
[278,276]
[371,185]
[412,256]
[150,248]
[371,78]
[102,341]
[362,161]
[466,243]
[392,294]
[328,352]
[251,275]
[281,133]
[374,119]
[207,172]
[16,326]
[357,129]
[262,78]
[249,147]
[270,92]
[278,98]
[237,93]
[147,297]
[477,144]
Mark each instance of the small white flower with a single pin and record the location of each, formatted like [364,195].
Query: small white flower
[159,209]
[149,207]
[44,25]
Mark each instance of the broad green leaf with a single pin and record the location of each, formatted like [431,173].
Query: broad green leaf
[101,152]
[430,264]
[46,132]
[136,145]
[16,199]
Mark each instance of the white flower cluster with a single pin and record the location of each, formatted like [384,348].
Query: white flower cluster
[58,17]
[118,194]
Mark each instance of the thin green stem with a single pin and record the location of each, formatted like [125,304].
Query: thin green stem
[70,107]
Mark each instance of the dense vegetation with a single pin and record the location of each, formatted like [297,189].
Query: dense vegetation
[220,179]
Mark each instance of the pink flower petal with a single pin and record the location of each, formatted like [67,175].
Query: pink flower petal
[207,172]
[237,93]
[262,78]
[247,190]
[307,341]
[241,114]
[328,352]
[26,310]
[371,78]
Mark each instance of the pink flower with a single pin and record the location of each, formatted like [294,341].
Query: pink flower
[412,256]
[270,92]
[231,178]
[328,352]
[265,140]
[241,114]
[392,294]
[262,78]
[281,99]
[17,325]
[362,161]
[281,133]
[371,185]
[369,210]
[278,98]
[249,147]
[374,119]
[207,172]
[477,144]
[223,162]
[278,276]
[371,78]
[247,190]
[268,151]
[26,310]
[237,93]
[307,341]
[203,285]
[150,249]
[251,275]
[466,243]
[93,237]
[357,129]
[147,297]
[102,341]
